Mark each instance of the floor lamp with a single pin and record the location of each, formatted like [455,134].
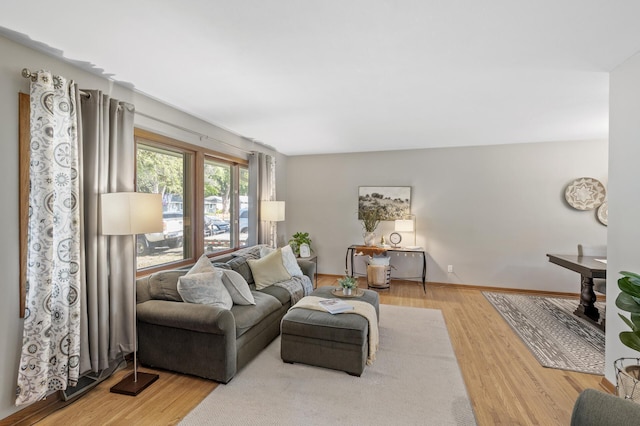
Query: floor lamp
[132,213]
[272,211]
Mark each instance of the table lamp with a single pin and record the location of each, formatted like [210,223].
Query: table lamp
[408,224]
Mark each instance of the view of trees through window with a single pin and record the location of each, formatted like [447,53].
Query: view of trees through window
[161,171]
[218,190]
[171,171]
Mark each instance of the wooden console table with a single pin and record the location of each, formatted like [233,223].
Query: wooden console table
[588,268]
[367,250]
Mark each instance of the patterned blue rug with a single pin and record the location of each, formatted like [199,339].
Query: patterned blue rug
[555,336]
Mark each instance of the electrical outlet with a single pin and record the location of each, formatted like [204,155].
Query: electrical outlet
[450,268]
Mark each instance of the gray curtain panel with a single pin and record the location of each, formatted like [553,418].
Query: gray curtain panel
[262,187]
[108,166]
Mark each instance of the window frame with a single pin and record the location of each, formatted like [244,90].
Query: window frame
[193,200]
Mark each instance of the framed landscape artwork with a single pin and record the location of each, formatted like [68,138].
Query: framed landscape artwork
[393,202]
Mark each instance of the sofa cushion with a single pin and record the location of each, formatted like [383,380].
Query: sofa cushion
[237,287]
[268,270]
[252,252]
[280,293]
[221,265]
[205,288]
[240,265]
[163,285]
[248,316]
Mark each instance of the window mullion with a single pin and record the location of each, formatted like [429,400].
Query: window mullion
[198,216]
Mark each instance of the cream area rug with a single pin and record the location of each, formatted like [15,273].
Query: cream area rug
[415,380]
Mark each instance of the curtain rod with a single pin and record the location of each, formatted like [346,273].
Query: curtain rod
[26,73]
[193,132]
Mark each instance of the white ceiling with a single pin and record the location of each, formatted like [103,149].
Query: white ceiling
[328,76]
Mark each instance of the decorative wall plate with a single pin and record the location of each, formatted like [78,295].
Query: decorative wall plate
[603,213]
[585,193]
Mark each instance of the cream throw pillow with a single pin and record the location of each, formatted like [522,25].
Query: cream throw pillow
[268,270]
[288,259]
[237,287]
[205,288]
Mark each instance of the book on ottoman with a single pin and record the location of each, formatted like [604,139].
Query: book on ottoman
[335,306]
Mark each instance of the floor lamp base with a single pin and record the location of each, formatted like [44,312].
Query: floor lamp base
[128,386]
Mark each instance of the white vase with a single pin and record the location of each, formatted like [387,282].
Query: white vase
[346,291]
[369,239]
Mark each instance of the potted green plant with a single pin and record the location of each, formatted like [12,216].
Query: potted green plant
[628,373]
[298,239]
[370,217]
[348,284]
[629,301]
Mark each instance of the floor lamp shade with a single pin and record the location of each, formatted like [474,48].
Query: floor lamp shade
[272,211]
[131,213]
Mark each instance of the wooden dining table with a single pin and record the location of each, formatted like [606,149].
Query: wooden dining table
[589,267]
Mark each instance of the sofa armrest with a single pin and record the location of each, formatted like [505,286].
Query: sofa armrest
[187,316]
[308,268]
[595,408]
[143,292]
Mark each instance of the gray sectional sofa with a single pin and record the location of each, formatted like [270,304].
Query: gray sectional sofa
[204,340]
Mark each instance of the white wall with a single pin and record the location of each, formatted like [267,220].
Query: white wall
[14,58]
[492,212]
[624,198]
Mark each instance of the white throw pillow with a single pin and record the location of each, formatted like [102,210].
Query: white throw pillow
[205,288]
[202,265]
[237,287]
[288,259]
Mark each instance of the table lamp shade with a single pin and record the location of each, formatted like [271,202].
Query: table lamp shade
[131,213]
[272,211]
[404,225]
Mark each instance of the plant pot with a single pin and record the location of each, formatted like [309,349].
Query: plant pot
[628,378]
[347,291]
[369,239]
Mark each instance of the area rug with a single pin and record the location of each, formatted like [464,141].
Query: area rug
[553,334]
[415,380]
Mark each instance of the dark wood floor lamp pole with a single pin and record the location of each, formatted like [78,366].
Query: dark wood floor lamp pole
[132,213]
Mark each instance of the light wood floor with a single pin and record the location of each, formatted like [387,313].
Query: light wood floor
[506,384]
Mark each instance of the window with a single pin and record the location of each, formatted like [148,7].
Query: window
[164,171]
[192,224]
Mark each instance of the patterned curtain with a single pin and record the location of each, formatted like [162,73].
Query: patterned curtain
[51,336]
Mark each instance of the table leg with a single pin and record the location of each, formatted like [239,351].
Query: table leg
[424,272]
[587,309]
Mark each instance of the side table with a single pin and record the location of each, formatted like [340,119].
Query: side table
[313,258]
[352,250]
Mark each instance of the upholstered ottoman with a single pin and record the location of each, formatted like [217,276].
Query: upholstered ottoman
[339,342]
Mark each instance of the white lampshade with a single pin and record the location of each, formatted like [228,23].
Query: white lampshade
[272,211]
[130,213]
[404,225]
